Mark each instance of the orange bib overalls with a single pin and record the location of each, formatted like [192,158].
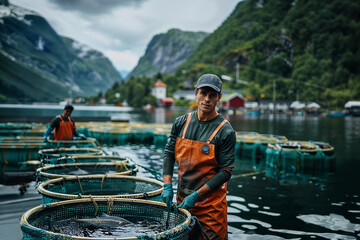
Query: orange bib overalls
[65,131]
[197,165]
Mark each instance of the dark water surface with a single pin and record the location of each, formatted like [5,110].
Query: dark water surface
[261,207]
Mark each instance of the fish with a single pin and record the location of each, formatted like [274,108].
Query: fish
[104,220]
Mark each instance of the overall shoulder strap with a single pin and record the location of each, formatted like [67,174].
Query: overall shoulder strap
[61,118]
[216,130]
[186,124]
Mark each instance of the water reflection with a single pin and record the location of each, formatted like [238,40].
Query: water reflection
[332,221]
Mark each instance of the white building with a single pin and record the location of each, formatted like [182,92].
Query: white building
[186,95]
[159,90]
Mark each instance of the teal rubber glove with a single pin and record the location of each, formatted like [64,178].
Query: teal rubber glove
[167,195]
[189,201]
[47,133]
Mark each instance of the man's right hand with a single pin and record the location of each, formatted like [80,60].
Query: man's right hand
[167,195]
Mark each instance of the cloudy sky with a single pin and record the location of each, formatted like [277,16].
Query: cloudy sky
[121,29]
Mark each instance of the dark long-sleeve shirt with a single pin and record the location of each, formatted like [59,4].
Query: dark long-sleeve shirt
[224,142]
[55,123]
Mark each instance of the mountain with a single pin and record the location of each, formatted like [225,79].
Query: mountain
[166,51]
[306,48]
[36,64]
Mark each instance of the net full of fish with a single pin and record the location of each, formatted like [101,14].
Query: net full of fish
[108,226]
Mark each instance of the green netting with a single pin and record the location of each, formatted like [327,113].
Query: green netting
[144,136]
[302,160]
[252,146]
[40,222]
[21,132]
[111,138]
[76,142]
[14,126]
[138,136]
[53,153]
[81,169]
[160,140]
[21,139]
[100,186]
[14,153]
[84,159]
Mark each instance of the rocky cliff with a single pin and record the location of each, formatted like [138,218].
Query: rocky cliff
[167,51]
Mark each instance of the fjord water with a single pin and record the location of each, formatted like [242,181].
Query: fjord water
[260,207]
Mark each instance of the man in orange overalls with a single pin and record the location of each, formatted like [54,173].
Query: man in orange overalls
[64,126]
[203,145]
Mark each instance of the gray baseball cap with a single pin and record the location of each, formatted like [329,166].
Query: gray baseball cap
[209,80]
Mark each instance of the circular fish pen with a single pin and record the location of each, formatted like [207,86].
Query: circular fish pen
[86,159]
[77,142]
[98,218]
[54,153]
[81,169]
[111,136]
[114,134]
[252,146]
[22,139]
[301,158]
[105,186]
[16,153]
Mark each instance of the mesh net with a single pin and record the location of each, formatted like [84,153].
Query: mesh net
[77,142]
[131,134]
[48,154]
[22,132]
[252,146]
[301,159]
[40,222]
[100,186]
[14,153]
[81,169]
[84,159]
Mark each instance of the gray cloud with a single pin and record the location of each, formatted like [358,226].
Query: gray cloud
[95,7]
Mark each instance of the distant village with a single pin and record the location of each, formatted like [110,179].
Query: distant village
[233,102]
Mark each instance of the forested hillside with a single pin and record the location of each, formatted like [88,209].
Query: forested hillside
[307,49]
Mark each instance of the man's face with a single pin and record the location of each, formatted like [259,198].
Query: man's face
[207,99]
[67,113]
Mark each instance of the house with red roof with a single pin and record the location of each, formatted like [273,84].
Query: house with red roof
[159,92]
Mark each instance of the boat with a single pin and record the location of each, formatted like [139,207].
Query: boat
[336,114]
[254,113]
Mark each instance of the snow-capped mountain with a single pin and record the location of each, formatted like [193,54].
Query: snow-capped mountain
[36,64]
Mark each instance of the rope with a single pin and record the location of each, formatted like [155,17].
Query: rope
[110,205]
[158,176]
[80,184]
[102,181]
[247,174]
[201,228]
[65,168]
[95,205]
